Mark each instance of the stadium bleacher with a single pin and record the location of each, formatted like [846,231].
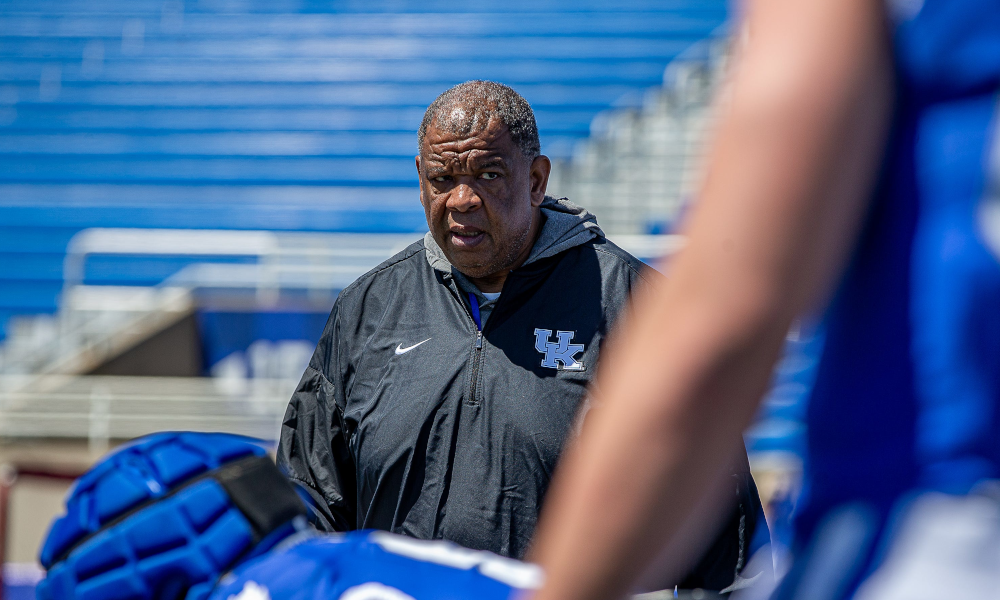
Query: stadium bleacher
[284,115]
[299,117]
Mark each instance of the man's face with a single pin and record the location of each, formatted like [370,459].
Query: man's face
[481,197]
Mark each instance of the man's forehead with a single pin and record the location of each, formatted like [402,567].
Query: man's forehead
[493,139]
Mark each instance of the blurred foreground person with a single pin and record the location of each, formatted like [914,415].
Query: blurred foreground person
[853,171]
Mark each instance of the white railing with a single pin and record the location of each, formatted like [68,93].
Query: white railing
[96,322]
[641,166]
[93,324]
[105,408]
[320,262]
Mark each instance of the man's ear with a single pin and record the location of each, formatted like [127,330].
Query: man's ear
[420,178]
[539,174]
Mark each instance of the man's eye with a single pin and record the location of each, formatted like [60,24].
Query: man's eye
[441,178]
[489,176]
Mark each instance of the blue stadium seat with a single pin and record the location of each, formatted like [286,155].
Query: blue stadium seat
[29,296]
[153,113]
[39,118]
[576,46]
[341,171]
[31,267]
[291,95]
[517,71]
[358,219]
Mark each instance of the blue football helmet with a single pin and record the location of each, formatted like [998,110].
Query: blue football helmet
[163,517]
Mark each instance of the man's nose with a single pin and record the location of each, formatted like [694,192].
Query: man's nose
[463,198]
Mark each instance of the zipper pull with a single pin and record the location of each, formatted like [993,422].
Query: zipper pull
[479,340]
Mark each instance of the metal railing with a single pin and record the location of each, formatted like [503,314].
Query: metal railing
[640,166]
[312,261]
[92,325]
[102,409]
[43,393]
[96,322]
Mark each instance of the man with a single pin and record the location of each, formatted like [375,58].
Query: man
[448,377]
[907,399]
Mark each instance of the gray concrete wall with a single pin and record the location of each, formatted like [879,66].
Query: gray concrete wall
[35,501]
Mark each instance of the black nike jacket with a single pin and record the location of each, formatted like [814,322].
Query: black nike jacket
[411,420]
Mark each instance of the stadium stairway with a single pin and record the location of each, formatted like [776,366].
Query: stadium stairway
[281,115]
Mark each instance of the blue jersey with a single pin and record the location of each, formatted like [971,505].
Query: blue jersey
[907,395]
[374,565]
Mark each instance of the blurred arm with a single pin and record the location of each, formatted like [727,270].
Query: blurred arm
[789,176]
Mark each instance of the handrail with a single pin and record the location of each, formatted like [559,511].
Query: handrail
[101,408]
[93,321]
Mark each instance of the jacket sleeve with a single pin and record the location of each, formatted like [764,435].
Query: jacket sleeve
[723,565]
[313,449]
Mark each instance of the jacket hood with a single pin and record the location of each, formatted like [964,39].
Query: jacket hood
[566,226]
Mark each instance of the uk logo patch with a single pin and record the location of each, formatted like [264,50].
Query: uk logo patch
[559,354]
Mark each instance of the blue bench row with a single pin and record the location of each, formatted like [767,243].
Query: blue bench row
[40,230]
[104,270]
[367,216]
[30,282]
[32,240]
[31,266]
[232,144]
[157,114]
[294,157]
[594,95]
[53,7]
[39,116]
[261,143]
[225,71]
[29,297]
[292,196]
[553,24]
[248,169]
[376,46]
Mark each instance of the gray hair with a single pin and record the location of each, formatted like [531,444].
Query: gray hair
[470,106]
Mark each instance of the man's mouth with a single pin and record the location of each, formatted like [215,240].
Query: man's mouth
[467,237]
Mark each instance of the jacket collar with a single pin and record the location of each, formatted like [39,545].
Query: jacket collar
[566,226]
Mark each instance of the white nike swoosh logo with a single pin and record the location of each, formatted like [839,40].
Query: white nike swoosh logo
[401,350]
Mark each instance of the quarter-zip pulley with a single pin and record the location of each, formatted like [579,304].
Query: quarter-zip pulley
[476,359]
